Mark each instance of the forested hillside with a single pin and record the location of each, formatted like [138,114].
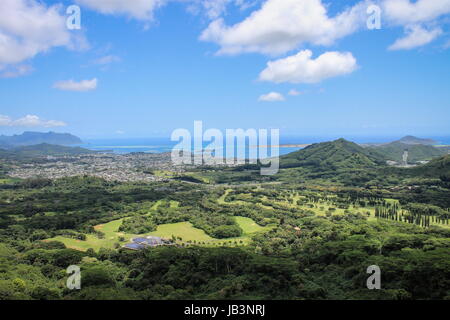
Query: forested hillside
[338,154]
[319,246]
[416,152]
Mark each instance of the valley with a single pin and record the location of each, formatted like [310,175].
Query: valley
[333,209]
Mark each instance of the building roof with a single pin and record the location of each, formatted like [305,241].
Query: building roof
[149,241]
[134,246]
[143,242]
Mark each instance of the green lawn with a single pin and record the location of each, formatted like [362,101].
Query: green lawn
[198,177]
[184,230]
[188,232]
[91,242]
[221,199]
[110,229]
[156,205]
[174,204]
[8,180]
[249,226]
[111,232]
[191,235]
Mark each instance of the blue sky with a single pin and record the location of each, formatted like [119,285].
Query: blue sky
[155,72]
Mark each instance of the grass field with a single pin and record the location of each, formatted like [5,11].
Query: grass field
[320,208]
[112,236]
[157,204]
[198,177]
[221,199]
[8,180]
[250,227]
[186,234]
[184,230]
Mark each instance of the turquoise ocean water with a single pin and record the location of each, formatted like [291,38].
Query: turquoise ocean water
[159,145]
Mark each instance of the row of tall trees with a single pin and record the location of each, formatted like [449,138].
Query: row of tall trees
[420,215]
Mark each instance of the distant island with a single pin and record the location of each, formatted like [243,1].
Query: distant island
[409,140]
[42,150]
[415,140]
[29,138]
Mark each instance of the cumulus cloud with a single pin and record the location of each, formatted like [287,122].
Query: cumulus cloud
[29,27]
[416,37]
[405,12]
[137,9]
[30,121]
[271,97]
[421,20]
[216,8]
[70,85]
[302,68]
[282,25]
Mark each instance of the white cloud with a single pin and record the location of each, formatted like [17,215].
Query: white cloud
[271,97]
[137,9]
[107,60]
[29,27]
[4,120]
[294,92]
[16,71]
[301,68]
[70,85]
[421,20]
[216,8]
[416,37]
[405,12]
[282,25]
[30,121]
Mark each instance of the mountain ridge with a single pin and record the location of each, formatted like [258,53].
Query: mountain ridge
[332,154]
[28,138]
[414,140]
[416,152]
[42,150]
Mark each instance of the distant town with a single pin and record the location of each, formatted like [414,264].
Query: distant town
[111,167]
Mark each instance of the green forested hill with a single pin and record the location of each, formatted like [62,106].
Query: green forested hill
[335,161]
[416,152]
[415,140]
[318,246]
[437,168]
[344,162]
[336,154]
[339,161]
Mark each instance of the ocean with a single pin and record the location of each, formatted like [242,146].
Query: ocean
[160,145]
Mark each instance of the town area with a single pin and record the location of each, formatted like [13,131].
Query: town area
[111,167]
